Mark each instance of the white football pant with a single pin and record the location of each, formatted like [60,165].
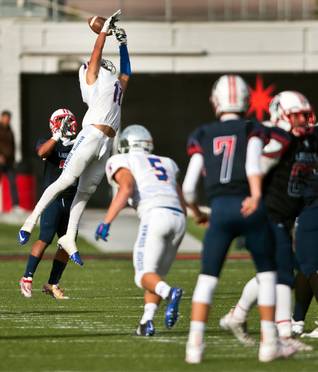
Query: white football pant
[160,233]
[87,159]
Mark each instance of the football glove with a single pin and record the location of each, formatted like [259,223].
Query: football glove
[57,135]
[110,22]
[121,35]
[102,231]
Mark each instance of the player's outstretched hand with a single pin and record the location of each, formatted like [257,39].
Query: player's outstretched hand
[249,205]
[121,35]
[102,231]
[110,22]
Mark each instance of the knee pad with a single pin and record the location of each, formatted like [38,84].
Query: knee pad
[204,289]
[138,277]
[266,292]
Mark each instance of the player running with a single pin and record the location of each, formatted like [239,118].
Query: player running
[102,90]
[54,219]
[230,150]
[292,112]
[148,181]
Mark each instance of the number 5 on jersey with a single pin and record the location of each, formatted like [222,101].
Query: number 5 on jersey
[160,171]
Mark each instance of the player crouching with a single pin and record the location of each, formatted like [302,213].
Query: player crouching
[149,183]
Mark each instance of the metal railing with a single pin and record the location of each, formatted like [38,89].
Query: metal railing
[165,10]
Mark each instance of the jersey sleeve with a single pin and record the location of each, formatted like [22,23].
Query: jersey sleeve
[114,163]
[194,142]
[39,143]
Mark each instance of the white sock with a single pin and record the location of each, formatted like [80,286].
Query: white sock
[268,331]
[149,312]
[247,300]
[162,289]
[47,197]
[196,333]
[283,310]
[266,291]
[77,209]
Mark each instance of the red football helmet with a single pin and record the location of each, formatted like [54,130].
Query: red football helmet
[65,121]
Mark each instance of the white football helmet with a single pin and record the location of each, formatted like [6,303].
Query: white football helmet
[230,93]
[135,138]
[65,121]
[290,102]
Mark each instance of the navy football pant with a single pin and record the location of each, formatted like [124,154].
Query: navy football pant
[54,219]
[307,240]
[227,223]
[284,253]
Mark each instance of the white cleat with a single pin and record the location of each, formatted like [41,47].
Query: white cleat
[313,334]
[26,286]
[269,351]
[238,329]
[194,353]
[298,345]
[67,244]
[297,327]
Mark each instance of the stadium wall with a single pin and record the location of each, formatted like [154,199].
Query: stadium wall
[175,65]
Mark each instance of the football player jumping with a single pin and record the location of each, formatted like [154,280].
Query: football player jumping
[54,219]
[149,182]
[230,150]
[292,112]
[102,90]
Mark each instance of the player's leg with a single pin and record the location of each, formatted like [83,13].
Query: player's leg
[215,246]
[52,287]
[303,297]
[235,320]
[177,223]
[58,266]
[150,245]
[88,182]
[146,325]
[86,147]
[260,242]
[285,278]
[48,225]
[306,250]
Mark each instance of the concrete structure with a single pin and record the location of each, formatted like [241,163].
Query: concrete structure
[37,47]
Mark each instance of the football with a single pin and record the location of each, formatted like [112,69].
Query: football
[96,23]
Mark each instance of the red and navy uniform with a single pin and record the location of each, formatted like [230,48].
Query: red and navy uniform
[283,209]
[223,145]
[304,184]
[54,219]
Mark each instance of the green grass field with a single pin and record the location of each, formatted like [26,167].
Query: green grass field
[93,331]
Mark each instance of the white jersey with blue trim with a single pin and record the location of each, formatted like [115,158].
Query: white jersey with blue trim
[155,179]
[103,98]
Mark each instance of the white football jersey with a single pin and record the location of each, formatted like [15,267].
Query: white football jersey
[103,98]
[155,178]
